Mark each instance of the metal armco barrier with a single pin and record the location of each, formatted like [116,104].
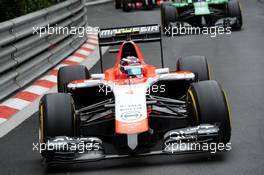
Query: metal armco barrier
[25,56]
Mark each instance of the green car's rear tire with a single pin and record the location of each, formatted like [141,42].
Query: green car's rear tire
[208,105]
[195,64]
[234,10]
[70,73]
[56,118]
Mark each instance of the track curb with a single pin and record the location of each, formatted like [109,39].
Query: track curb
[21,100]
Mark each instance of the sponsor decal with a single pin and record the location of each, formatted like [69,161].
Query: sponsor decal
[130,116]
[133,30]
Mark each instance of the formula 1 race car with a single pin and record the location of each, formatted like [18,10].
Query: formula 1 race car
[133,108]
[198,13]
[127,5]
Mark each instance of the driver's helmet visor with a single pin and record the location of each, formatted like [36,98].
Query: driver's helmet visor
[133,70]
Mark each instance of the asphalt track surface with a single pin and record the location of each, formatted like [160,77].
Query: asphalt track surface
[237,63]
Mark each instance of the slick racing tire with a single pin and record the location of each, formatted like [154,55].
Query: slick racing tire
[233,9]
[70,73]
[149,4]
[118,4]
[170,14]
[208,105]
[196,64]
[125,6]
[56,118]
[162,7]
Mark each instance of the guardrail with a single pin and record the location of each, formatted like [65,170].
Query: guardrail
[24,55]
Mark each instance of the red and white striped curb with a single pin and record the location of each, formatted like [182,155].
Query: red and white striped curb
[24,98]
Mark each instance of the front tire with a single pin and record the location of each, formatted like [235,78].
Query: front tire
[70,73]
[208,105]
[233,9]
[56,118]
[195,64]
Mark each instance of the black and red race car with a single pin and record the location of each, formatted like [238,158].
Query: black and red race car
[133,108]
[128,5]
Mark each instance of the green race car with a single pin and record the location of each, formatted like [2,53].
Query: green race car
[199,13]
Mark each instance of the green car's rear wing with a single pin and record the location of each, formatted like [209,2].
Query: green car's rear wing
[137,34]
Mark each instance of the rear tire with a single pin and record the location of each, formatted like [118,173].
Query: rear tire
[195,64]
[234,10]
[208,105]
[150,4]
[70,73]
[57,118]
[117,4]
[125,6]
